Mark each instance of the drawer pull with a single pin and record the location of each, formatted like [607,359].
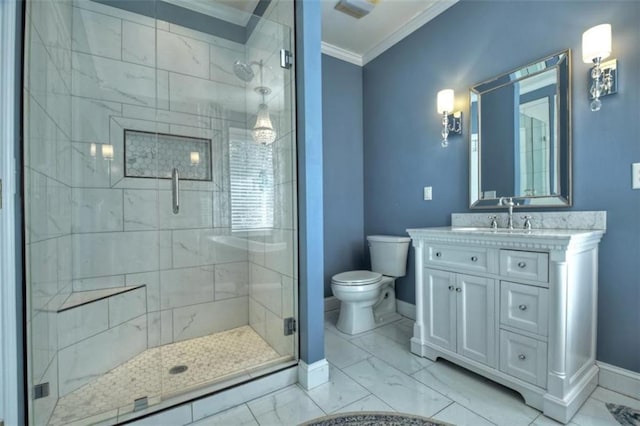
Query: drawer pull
[522,265]
[474,258]
[451,288]
[458,289]
[522,357]
[522,307]
[438,254]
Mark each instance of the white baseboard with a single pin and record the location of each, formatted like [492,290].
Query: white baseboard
[316,374]
[406,309]
[619,380]
[331,303]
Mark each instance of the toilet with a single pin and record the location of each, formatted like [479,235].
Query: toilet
[368,298]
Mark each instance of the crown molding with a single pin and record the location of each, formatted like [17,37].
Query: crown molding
[342,54]
[411,26]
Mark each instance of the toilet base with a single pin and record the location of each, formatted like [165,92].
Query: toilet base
[359,318]
[387,318]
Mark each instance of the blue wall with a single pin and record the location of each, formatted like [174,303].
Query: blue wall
[343,168]
[310,218]
[469,43]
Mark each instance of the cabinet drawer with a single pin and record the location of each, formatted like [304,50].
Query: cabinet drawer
[524,307]
[527,265]
[452,257]
[523,357]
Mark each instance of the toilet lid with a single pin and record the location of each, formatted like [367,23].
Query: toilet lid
[356,278]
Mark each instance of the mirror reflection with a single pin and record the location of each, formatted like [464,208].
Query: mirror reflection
[520,136]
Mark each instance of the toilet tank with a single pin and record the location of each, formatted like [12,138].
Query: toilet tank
[389,254]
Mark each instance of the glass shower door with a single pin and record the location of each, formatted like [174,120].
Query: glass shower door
[93,242]
[160,207]
[231,284]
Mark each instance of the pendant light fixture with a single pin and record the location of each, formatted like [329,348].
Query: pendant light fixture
[263,131]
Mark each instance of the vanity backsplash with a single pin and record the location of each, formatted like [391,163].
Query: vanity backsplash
[584,220]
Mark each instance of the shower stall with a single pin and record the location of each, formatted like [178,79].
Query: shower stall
[159,158]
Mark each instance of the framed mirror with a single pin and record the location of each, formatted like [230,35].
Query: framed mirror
[520,138]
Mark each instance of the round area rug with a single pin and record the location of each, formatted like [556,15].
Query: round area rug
[373,418]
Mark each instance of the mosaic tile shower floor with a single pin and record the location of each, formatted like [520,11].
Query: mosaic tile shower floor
[208,358]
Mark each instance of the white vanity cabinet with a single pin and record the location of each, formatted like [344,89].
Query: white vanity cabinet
[516,307]
[459,314]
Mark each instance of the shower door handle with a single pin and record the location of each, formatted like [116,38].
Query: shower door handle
[175,189]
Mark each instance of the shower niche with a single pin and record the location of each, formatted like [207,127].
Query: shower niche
[132,305]
[146,153]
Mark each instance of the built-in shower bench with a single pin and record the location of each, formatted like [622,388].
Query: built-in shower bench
[80,298]
[92,325]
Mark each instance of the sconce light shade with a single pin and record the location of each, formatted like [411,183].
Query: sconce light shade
[451,122]
[596,43]
[445,101]
[596,46]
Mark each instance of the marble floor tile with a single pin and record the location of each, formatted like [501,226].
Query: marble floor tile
[400,391]
[605,395]
[496,403]
[368,403]
[543,420]
[340,391]
[392,352]
[237,416]
[594,413]
[341,352]
[289,406]
[458,415]
[400,331]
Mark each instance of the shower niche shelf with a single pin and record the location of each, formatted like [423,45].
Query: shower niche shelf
[81,298]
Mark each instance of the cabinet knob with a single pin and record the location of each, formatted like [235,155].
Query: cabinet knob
[522,357]
[522,307]
[451,288]
[438,254]
[522,265]
[458,289]
[474,258]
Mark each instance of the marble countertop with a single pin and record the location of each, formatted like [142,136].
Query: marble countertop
[472,230]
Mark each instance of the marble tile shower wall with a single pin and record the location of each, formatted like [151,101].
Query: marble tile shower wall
[133,72]
[47,159]
[124,232]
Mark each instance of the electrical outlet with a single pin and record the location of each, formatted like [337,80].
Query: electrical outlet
[428,193]
[635,176]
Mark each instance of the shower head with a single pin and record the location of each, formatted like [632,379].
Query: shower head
[243,71]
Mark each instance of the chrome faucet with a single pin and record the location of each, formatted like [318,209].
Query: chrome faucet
[510,204]
[494,222]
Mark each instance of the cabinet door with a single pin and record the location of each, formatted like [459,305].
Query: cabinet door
[476,318]
[440,308]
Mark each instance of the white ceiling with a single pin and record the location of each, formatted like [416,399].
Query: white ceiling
[354,40]
[360,40]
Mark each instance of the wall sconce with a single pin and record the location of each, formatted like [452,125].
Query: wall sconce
[596,46]
[451,121]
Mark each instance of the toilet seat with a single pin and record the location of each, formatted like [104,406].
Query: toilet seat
[356,278]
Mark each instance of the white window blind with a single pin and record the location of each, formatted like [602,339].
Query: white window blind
[252,188]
